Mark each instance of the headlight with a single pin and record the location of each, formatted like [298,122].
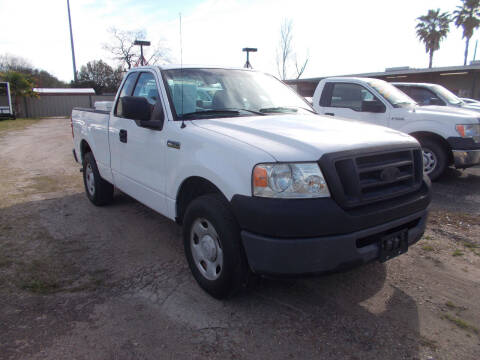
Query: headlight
[294,180]
[470,130]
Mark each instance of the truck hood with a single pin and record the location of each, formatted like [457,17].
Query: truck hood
[473,107]
[304,137]
[447,113]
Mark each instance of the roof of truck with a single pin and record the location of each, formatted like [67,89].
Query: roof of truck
[191,66]
[413,84]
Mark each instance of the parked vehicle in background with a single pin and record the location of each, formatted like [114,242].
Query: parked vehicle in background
[470,101]
[432,94]
[448,135]
[257,180]
[6,109]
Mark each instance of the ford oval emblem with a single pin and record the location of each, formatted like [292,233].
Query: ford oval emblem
[390,174]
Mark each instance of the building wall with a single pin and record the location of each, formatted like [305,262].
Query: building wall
[57,105]
[465,84]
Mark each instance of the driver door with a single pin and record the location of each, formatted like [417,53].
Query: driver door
[137,152]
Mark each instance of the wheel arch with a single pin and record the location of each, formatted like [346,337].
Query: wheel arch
[84,148]
[438,139]
[190,189]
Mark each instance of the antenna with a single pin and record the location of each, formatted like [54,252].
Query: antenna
[181,67]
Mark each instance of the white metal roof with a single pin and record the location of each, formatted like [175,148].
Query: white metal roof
[64,90]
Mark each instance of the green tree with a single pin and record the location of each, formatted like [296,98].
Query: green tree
[100,76]
[21,86]
[432,29]
[468,17]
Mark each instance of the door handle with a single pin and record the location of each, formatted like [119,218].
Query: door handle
[330,114]
[123,135]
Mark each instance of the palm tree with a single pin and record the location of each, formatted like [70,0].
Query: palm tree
[468,17]
[432,29]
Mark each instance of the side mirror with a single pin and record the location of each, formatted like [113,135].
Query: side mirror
[373,106]
[136,108]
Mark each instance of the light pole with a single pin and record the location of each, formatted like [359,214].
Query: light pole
[71,42]
[248,51]
[142,43]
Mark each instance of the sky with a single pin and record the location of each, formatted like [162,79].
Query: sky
[341,37]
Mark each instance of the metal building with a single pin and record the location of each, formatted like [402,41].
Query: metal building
[464,81]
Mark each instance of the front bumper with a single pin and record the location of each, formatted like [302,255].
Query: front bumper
[301,236]
[267,255]
[466,151]
[466,158]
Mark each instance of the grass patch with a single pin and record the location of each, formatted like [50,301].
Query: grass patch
[450,304]
[428,248]
[462,324]
[18,124]
[427,237]
[457,253]
[40,286]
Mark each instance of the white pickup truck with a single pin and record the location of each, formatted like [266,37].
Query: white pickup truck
[257,180]
[448,135]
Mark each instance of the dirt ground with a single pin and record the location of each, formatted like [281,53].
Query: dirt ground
[81,282]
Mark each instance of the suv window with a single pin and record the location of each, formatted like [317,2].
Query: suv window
[350,96]
[126,91]
[422,95]
[147,87]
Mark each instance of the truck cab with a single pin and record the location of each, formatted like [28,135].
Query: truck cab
[447,135]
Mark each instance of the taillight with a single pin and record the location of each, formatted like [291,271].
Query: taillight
[71,125]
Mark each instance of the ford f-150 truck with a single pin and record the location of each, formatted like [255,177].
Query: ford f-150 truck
[260,183]
[448,135]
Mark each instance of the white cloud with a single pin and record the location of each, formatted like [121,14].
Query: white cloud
[341,36]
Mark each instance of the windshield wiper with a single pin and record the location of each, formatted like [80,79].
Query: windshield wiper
[283,109]
[209,112]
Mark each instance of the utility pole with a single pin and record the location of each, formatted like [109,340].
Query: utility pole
[248,51]
[71,41]
[141,43]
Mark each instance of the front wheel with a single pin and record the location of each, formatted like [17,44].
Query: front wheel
[434,158]
[213,249]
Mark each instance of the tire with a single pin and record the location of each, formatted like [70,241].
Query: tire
[435,158]
[99,191]
[211,238]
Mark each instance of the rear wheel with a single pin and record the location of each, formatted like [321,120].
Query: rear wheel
[434,158]
[99,191]
[213,247]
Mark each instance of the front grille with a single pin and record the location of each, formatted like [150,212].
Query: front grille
[367,177]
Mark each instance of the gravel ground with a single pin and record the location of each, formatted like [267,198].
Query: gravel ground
[81,282]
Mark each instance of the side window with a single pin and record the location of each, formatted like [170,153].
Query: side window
[425,96]
[147,87]
[351,96]
[126,91]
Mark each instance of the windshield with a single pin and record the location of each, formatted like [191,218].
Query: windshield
[447,95]
[207,93]
[393,95]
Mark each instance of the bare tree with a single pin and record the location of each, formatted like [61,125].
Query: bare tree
[286,54]
[302,66]
[123,49]
[284,50]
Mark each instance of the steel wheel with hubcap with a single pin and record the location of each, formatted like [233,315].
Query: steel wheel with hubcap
[90,180]
[98,190]
[429,161]
[213,248]
[435,157]
[206,249]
